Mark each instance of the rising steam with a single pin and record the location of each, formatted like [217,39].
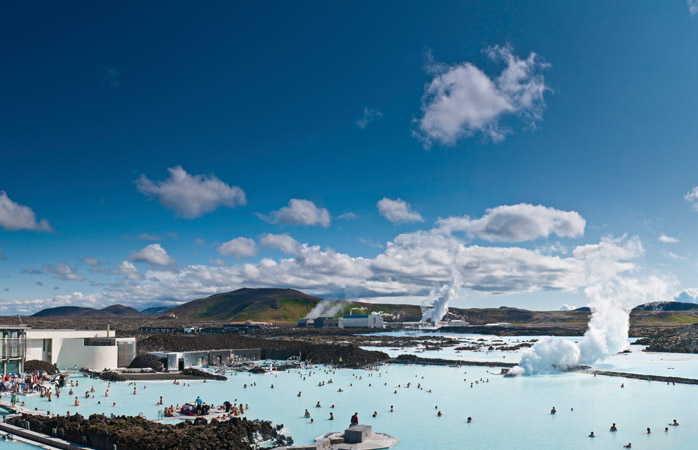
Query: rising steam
[611,295]
[326,308]
[439,308]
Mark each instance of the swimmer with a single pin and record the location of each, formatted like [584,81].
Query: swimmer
[470,419]
[622,385]
[591,434]
[299,394]
[649,431]
[666,429]
[331,416]
[392,409]
[318,405]
[307,414]
[613,427]
[628,446]
[674,424]
[553,411]
[375,413]
[439,414]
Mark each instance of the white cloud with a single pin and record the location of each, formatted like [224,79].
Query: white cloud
[300,212]
[14,217]
[129,270]
[461,100]
[282,242]
[689,295]
[566,307]
[398,211]
[199,241]
[191,196]
[516,223]
[238,248]
[94,262]
[692,198]
[692,7]
[63,271]
[347,216]
[668,239]
[153,254]
[370,115]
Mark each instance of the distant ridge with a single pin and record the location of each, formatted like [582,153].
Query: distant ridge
[265,304]
[78,311]
[156,310]
[666,306]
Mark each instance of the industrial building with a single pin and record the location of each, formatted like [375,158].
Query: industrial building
[363,321]
[348,321]
[67,349]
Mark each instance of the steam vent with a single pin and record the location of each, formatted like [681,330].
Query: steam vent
[357,437]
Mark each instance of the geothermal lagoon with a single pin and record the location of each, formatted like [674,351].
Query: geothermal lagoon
[507,413]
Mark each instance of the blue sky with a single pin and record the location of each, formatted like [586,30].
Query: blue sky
[584,114]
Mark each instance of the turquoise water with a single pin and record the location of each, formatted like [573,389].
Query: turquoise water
[508,413]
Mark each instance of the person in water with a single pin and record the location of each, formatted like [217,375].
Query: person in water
[331,416]
[307,414]
[439,414]
[674,424]
[470,419]
[591,434]
[553,411]
[628,446]
[613,427]
[649,431]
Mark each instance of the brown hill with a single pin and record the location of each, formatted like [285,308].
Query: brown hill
[267,304]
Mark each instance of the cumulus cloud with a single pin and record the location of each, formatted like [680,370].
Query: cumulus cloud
[300,212]
[127,269]
[566,307]
[282,242]
[398,211]
[63,271]
[15,217]
[689,295]
[153,254]
[94,262]
[238,248]
[369,115]
[191,196]
[461,100]
[692,7]
[692,198]
[516,223]
[668,239]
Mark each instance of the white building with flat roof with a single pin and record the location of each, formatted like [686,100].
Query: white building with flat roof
[90,349]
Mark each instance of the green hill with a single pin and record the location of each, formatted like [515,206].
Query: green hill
[282,305]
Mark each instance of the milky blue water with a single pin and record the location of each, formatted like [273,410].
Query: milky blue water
[508,413]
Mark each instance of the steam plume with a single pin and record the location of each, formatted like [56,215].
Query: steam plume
[612,295]
[440,306]
[326,308]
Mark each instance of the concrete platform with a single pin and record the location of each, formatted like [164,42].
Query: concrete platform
[357,437]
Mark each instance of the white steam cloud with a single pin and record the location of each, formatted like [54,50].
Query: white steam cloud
[326,308]
[440,306]
[612,295]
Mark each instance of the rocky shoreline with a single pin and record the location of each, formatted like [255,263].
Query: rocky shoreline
[133,433]
[677,340]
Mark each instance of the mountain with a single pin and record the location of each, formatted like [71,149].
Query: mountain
[666,306]
[266,304]
[78,311]
[63,311]
[156,310]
